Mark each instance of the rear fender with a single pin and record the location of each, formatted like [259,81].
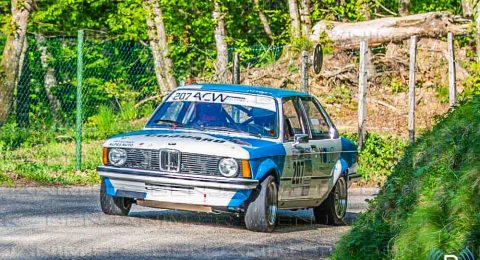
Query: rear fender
[340,169]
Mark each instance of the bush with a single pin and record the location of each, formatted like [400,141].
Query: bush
[379,155]
[431,198]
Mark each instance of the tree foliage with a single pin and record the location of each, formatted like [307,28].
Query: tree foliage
[117,42]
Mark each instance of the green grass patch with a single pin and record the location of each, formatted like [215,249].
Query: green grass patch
[52,163]
[431,199]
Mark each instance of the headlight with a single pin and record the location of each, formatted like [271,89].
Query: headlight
[228,167]
[117,157]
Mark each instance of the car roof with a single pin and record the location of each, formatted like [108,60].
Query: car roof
[246,89]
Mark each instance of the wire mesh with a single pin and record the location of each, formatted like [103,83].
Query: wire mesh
[119,92]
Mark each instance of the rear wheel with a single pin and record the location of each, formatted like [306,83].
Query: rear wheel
[261,213]
[332,211]
[111,205]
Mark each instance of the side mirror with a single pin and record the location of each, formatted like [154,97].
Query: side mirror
[333,133]
[300,139]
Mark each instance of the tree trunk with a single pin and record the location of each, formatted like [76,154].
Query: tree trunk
[12,52]
[294,19]
[159,46]
[49,80]
[221,67]
[385,30]
[477,26]
[403,6]
[22,96]
[365,9]
[305,17]
[467,8]
[264,20]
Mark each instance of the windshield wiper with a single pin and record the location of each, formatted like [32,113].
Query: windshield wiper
[170,122]
[227,129]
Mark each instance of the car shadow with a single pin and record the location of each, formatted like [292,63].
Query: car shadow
[288,221]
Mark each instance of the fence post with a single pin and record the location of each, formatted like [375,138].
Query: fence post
[79,99]
[452,88]
[362,90]
[236,69]
[304,69]
[411,89]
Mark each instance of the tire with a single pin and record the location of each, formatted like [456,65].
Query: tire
[119,206]
[332,211]
[261,213]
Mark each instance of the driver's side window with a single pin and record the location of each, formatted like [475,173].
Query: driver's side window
[291,120]
[318,123]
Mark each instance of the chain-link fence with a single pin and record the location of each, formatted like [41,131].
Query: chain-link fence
[54,122]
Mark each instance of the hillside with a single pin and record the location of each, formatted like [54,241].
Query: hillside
[431,200]
[387,95]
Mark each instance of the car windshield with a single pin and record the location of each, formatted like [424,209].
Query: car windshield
[254,115]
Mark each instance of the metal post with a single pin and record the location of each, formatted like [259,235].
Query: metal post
[411,89]
[236,69]
[362,91]
[305,71]
[452,88]
[79,99]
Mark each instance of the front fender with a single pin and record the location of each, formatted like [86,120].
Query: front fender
[264,168]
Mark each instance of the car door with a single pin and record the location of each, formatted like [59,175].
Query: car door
[325,144]
[295,180]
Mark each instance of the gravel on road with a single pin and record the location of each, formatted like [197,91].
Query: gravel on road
[66,222]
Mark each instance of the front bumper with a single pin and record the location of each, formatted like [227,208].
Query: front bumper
[177,188]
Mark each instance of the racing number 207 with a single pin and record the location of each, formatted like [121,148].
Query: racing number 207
[298,172]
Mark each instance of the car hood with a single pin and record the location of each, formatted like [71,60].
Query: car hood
[225,145]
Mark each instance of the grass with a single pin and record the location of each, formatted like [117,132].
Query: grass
[431,199]
[52,163]
[46,158]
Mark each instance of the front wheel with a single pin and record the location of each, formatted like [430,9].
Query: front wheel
[261,213]
[333,210]
[119,206]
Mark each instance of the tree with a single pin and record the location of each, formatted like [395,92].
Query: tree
[221,64]
[403,6]
[294,19]
[158,43]
[477,25]
[306,21]
[365,9]
[49,80]
[467,8]
[264,20]
[13,51]
[390,29]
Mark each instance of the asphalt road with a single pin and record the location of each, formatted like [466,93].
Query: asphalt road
[67,223]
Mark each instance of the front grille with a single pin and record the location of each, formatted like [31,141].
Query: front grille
[199,164]
[182,163]
[142,159]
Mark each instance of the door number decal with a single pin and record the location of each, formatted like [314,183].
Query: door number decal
[298,172]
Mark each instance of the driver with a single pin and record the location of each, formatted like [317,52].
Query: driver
[209,114]
[264,119]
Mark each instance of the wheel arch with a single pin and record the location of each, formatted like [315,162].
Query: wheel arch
[268,167]
[340,169]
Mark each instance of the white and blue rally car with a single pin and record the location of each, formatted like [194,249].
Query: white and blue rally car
[232,148]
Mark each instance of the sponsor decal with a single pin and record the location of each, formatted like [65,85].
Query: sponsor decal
[224,98]
[121,144]
[197,138]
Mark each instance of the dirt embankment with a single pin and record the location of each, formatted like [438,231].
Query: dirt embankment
[387,94]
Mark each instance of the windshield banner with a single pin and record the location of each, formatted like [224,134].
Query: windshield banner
[223,98]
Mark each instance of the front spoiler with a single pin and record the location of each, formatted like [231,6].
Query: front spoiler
[162,178]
